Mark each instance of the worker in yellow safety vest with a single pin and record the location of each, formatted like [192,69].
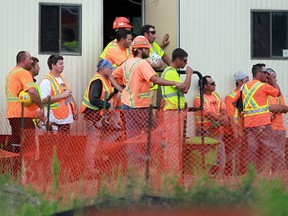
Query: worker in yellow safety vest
[174,99]
[156,56]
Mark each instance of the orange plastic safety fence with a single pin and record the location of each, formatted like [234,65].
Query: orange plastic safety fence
[154,146]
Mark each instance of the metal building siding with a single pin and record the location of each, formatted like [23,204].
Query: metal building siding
[217,37]
[20,29]
[19,21]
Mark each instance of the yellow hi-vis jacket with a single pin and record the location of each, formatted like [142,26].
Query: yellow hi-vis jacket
[174,99]
[107,90]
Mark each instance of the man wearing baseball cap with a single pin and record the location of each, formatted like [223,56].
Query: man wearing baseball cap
[234,131]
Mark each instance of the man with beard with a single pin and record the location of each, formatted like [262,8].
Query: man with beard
[136,74]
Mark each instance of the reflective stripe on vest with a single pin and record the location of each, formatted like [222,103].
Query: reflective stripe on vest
[107,90]
[127,75]
[171,94]
[205,119]
[235,116]
[249,100]
[56,89]
[8,93]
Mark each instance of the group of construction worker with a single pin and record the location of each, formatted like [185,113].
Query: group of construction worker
[126,77]
[248,123]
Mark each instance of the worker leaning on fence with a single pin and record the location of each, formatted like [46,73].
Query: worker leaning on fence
[233,133]
[136,73]
[63,108]
[17,80]
[214,117]
[257,121]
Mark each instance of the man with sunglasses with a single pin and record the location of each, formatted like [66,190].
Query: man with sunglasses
[156,57]
[214,116]
[233,132]
[257,121]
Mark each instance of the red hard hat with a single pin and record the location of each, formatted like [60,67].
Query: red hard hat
[140,42]
[121,22]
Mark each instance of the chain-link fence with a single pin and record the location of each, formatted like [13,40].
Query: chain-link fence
[157,147]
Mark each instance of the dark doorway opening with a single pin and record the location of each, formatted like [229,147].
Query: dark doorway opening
[132,9]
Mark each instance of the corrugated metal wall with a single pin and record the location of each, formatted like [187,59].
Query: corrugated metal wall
[19,21]
[217,36]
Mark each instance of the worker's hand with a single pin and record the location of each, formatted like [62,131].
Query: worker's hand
[76,115]
[180,86]
[189,71]
[157,65]
[67,93]
[40,113]
[165,40]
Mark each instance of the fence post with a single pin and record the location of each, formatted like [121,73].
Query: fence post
[148,149]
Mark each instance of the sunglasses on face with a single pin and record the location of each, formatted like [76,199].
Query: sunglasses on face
[213,83]
[265,72]
[152,32]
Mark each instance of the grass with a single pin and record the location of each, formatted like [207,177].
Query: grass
[266,197]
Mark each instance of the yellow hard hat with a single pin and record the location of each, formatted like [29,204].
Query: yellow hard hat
[25,98]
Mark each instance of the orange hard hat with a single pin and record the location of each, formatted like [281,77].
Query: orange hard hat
[121,22]
[140,42]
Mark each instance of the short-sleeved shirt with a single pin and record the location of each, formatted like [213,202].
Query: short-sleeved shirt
[171,101]
[17,80]
[45,87]
[231,109]
[277,122]
[261,98]
[106,48]
[210,104]
[157,49]
[136,74]
[117,55]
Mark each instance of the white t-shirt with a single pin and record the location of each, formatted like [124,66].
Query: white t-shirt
[45,87]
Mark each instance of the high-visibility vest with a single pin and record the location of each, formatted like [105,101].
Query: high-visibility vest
[12,91]
[60,108]
[127,75]
[107,90]
[173,97]
[235,116]
[250,105]
[207,122]
[106,48]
